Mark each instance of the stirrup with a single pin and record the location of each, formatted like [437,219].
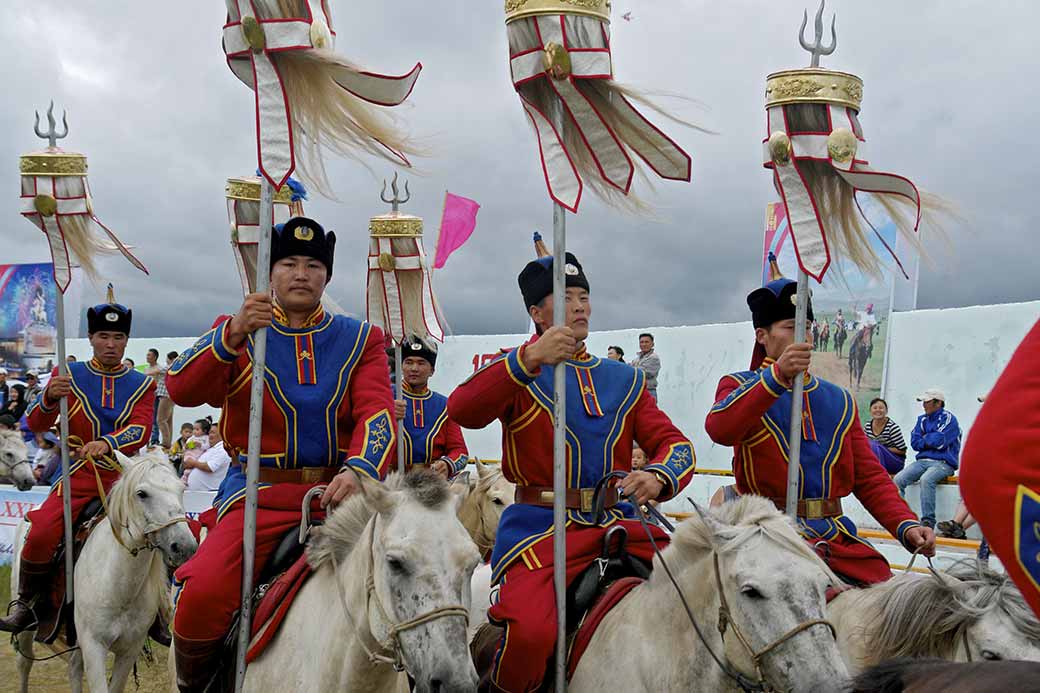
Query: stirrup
[34,624]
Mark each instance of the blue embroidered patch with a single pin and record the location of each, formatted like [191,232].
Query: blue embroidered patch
[1027,532]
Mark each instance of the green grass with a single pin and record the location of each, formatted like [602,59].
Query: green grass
[51,676]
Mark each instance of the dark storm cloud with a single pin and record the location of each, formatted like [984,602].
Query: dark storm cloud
[164,123]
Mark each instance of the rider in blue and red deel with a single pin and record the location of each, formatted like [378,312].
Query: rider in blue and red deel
[431,439]
[752,413]
[327,410]
[1000,468]
[608,408]
[110,408]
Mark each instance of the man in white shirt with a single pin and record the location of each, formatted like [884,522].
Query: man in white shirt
[208,471]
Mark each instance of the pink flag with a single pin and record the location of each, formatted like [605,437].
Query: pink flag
[457,224]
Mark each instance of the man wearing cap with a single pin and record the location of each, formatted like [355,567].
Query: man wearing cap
[608,408]
[110,408]
[327,417]
[4,387]
[752,413]
[430,439]
[937,439]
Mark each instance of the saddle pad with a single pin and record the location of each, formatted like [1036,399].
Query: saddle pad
[604,604]
[271,610]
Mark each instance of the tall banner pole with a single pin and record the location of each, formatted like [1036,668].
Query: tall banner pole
[801,313]
[63,423]
[399,386]
[256,410]
[560,438]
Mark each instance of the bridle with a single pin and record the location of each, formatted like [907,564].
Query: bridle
[150,530]
[389,650]
[725,620]
[12,465]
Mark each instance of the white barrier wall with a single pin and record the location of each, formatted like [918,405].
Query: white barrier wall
[960,350]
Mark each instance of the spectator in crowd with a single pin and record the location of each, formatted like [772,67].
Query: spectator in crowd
[47,459]
[129,363]
[8,423]
[162,428]
[955,528]
[15,404]
[886,439]
[32,386]
[615,353]
[70,359]
[4,387]
[207,472]
[937,440]
[156,372]
[638,457]
[180,445]
[197,444]
[648,362]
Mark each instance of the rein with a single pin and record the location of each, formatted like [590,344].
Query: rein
[391,643]
[149,545]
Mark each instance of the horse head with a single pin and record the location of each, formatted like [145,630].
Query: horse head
[771,590]
[146,507]
[420,561]
[482,503]
[14,461]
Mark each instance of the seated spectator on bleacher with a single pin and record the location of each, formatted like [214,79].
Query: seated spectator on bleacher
[937,440]
[886,439]
[47,462]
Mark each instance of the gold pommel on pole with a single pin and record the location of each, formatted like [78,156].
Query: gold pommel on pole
[519,9]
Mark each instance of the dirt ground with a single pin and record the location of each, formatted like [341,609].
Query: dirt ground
[51,676]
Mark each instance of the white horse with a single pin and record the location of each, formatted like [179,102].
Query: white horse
[391,584]
[774,586]
[966,613]
[120,581]
[15,467]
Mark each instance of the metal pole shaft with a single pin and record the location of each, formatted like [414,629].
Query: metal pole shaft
[63,423]
[560,449]
[399,386]
[801,312]
[256,407]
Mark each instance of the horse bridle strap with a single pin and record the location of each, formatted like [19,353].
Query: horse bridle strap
[726,618]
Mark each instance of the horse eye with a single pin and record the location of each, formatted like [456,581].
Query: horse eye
[142,494]
[992,656]
[497,501]
[396,565]
[751,592]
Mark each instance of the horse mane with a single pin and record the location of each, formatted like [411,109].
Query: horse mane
[749,516]
[345,525]
[11,438]
[924,617]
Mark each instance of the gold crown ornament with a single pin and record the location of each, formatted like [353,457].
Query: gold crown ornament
[519,9]
[242,195]
[814,85]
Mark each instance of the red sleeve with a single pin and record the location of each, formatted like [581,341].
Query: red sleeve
[42,412]
[489,393]
[371,411]
[454,443]
[138,430]
[202,373]
[670,453]
[740,404]
[874,488]
[1000,468]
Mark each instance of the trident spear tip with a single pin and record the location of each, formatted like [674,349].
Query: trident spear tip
[818,48]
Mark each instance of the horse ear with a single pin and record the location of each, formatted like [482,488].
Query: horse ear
[375,492]
[718,528]
[124,461]
[459,491]
[462,479]
[483,470]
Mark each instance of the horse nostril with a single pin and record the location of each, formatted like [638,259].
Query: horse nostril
[175,547]
[435,685]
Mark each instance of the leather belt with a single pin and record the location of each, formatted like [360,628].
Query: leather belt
[307,475]
[813,508]
[576,498]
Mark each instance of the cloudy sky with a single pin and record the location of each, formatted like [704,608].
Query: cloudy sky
[949,101]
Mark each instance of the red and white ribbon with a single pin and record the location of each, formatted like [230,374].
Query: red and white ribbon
[72,200]
[387,306]
[589,54]
[808,227]
[259,71]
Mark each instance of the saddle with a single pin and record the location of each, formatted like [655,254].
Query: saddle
[590,597]
[54,616]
